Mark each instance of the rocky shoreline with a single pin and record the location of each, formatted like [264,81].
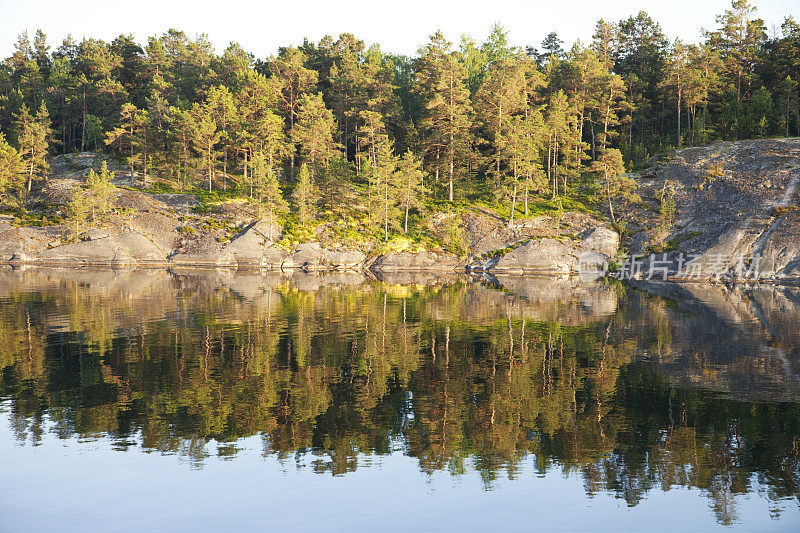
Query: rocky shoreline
[252,248]
[735,211]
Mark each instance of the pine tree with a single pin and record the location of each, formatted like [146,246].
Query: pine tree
[291,80]
[410,178]
[11,171]
[124,136]
[78,208]
[385,185]
[275,143]
[314,130]
[677,79]
[205,137]
[584,77]
[641,58]
[788,103]
[502,95]
[521,146]
[305,195]
[33,137]
[257,122]
[221,105]
[99,191]
[605,43]
[447,123]
[739,38]
[553,45]
[181,125]
[558,134]
[41,54]
[268,197]
[617,186]
[97,90]
[706,66]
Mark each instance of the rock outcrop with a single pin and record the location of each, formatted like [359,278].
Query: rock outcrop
[256,247]
[424,260]
[733,200]
[549,255]
[123,249]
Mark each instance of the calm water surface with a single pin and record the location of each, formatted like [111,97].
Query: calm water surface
[191,400]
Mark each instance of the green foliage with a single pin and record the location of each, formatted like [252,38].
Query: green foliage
[617,186]
[33,137]
[782,210]
[268,199]
[714,171]
[78,210]
[295,232]
[454,238]
[666,210]
[305,196]
[91,203]
[100,190]
[483,123]
[11,174]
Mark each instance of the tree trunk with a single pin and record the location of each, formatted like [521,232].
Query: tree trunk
[513,197]
[679,118]
[130,163]
[608,118]
[385,210]
[549,149]
[452,141]
[608,195]
[144,162]
[405,222]
[64,129]
[83,127]
[209,162]
[527,185]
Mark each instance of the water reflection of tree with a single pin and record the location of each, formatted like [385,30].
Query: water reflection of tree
[337,373]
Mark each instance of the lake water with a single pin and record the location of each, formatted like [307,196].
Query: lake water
[215,400]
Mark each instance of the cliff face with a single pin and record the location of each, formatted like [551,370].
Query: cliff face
[732,200]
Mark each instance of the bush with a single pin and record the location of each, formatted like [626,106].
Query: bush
[714,171]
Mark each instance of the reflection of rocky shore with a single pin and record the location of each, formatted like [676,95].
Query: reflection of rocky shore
[564,299]
[743,341]
[620,385]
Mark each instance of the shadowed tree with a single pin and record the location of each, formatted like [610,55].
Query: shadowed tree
[617,186]
[33,138]
[12,182]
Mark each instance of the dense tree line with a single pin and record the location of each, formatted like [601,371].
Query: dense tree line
[462,121]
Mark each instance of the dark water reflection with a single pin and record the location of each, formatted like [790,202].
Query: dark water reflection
[633,391]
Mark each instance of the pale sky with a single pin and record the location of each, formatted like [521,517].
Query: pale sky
[399,26]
